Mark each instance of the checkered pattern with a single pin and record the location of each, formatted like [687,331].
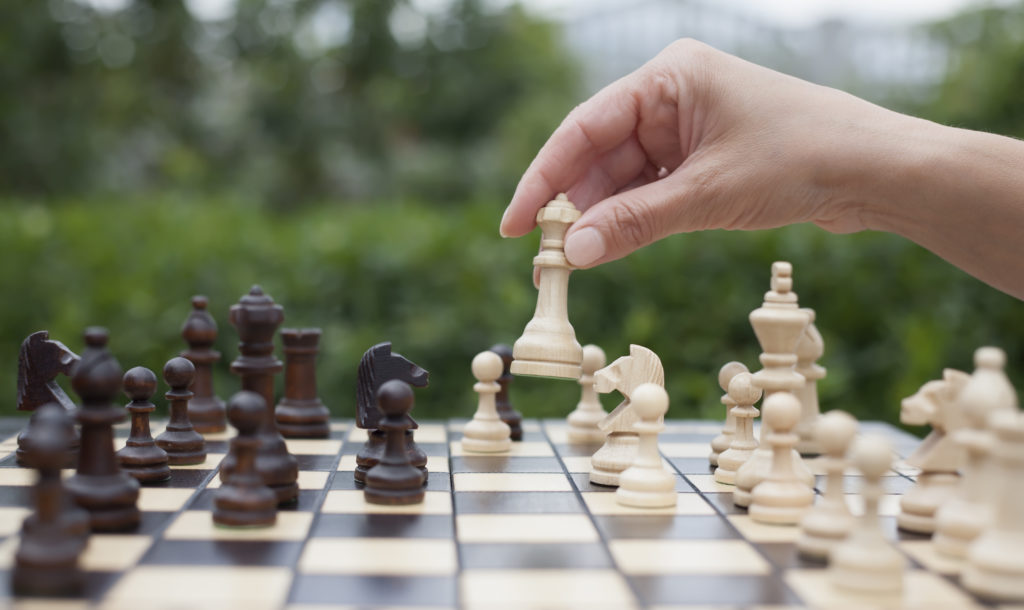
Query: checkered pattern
[524,529]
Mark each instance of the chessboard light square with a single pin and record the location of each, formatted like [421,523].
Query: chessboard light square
[707,484]
[525,529]
[426,433]
[11,518]
[684,450]
[353,502]
[310,446]
[435,463]
[547,589]
[203,587]
[379,557]
[522,449]
[199,525]
[888,505]
[557,433]
[921,589]
[576,463]
[688,557]
[712,428]
[308,479]
[114,553]
[211,463]
[604,503]
[224,435]
[163,499]
[924,553]
[763,533]
[20,477]
[510,481]
[817,467]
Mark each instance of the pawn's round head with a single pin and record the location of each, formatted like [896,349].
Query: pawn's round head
[246,411]
[742,389]
[872,455]
[199,302]
[139,383]
[650,401]
[593,359]
[728,371]
[178,372]
[834,432]
[487,366]
[989,358]
[781,411]
[96,336]
[394,398]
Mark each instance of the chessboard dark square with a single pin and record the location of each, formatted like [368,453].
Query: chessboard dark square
[475,463]
[94,586]
[183,478]
[723,503]
[373,591]
[345,479]
[732,590]
[564,556]
[383,526]
[15,496]
[224,552]
[517,502]
[316,462]
[666,527]
[692,465]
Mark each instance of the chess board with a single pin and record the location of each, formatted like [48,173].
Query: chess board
[522,530]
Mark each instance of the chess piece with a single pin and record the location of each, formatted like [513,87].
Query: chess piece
[778,323]
[865,562]
[98,485]
[206,409]
[378,366]
[486,433]
[960,520]
[938,456]
[782,498]
[394,480]
[300,414]
[743,394]
[54,535]
[646,484]
[243,500]
[830,521]
[256,317]
[141,457]
[584,420]
[809,349]
[506,411]
[995,561]
[548,346]
[722,442]
[40,360]
[180,441]
[621,441]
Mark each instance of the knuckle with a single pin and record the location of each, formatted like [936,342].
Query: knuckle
[634,223]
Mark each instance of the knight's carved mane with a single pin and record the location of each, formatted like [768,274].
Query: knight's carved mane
[366,387]
[644,366]
[380,364]
[40,360]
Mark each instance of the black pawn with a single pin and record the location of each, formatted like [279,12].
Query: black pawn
[506,411]
[99,486]
[243,500]
[181,441]
[394,480]
[140,456]
[27,438]
[53,537]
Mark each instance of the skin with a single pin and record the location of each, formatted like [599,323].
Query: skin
[697,139]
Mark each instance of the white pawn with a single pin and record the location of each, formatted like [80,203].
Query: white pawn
[583,420]
[486,433]
[830,522]
[782,498]
[646,484]
[743,393]
[724,440]
[865,562]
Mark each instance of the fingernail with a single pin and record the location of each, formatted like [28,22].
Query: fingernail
[501,225]
[584,247]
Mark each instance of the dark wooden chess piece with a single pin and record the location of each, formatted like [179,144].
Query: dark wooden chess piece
[140,457]
[300,414]
[378,366]
[180,440]
[99,486]
[243,500]
[506,411]
[394,480]
[40,360]
[206,409]
[53,537]
[256,317]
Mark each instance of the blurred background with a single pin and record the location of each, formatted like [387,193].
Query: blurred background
[354,158]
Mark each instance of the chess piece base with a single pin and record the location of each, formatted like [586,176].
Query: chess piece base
[235,507]
[995,568]
[645,499]
[821,531]
[877,570]
[207,415]
[477,445]
[110,500]
[150,473]
[302,418]
[918,506]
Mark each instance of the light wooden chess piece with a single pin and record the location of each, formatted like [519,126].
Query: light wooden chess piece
[548,346]
[584,420]
[938,456]
[486,433]
[995,561]
[865,562]
[646,484]
[779,324]
[810,348]
[722,442]
[830,521]
[743,393]
[620,446]
[960,520]
[782,498]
